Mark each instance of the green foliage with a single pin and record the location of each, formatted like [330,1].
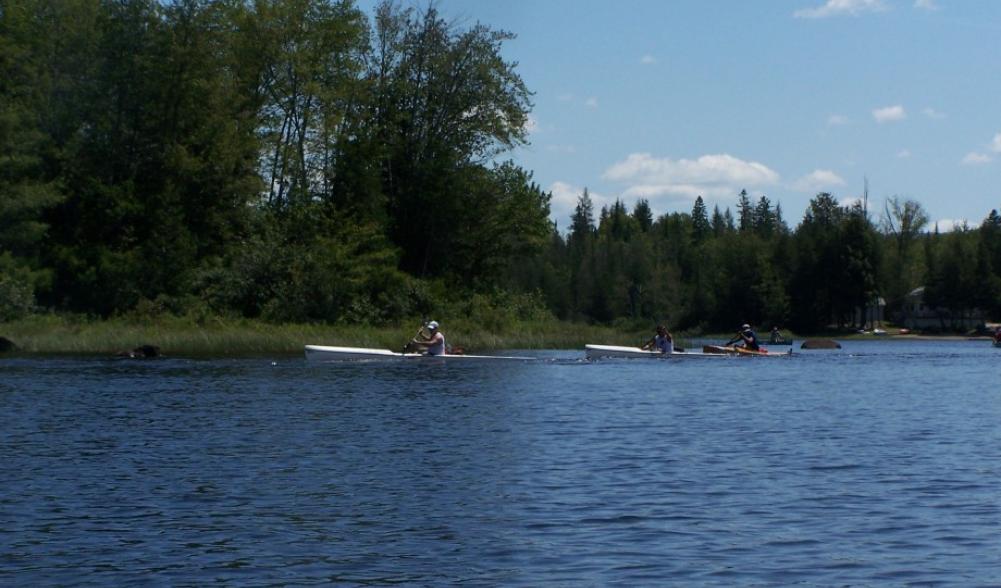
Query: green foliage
[701,228]
[497,310]
[310,267]
[290,161]
[17,298]
[503,219]
[445,103]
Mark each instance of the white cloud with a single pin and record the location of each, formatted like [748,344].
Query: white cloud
[837,120]
[674,192]
[850,201]
[974,158]
[707,169]
[928,5]
[648,59]
[932,113]
[817,181]
[996,143]
[948,225]
[711,176]
[889,114]
[841,8]
[904,153]
[591,102]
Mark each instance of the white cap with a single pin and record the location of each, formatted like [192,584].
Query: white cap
[433,325]
[745,326]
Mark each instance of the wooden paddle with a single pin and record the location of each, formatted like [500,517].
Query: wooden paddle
[409,344]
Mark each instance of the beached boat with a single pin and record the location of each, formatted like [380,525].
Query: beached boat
[328,353]
[597,351]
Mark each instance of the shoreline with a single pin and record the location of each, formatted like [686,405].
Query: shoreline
[220,337]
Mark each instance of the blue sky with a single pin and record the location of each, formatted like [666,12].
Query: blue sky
[668,100]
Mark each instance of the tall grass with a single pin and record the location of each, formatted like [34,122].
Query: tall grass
[179,336]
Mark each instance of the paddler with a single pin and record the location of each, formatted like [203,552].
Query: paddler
[747,337]
[434,343]
[662,341]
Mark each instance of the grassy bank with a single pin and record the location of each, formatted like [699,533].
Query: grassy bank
[231,337]
[220,337]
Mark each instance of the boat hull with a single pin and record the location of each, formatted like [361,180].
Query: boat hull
[730,350]
[329,353]
[615,351]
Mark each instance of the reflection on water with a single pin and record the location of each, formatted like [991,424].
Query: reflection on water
[874,464]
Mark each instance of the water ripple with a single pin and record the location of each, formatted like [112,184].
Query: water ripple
[863,467]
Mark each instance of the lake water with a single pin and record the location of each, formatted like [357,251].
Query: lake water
[876,464]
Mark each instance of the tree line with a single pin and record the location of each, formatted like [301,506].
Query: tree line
[714,271]
[298,160]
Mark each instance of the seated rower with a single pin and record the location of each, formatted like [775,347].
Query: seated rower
[747,337]
[662,341]
[434,343]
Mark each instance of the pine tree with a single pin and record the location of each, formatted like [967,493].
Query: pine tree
[745,212]
[700,222]
[643,214]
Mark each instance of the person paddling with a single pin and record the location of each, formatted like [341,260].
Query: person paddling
[747,336]
[434,343]
[662,341]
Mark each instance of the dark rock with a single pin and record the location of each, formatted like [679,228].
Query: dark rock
[6,345]
[141,352]
[820,344]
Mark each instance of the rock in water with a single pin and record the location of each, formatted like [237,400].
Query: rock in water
[141,352]
[820,344]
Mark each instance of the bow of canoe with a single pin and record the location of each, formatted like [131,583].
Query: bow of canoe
[330,353]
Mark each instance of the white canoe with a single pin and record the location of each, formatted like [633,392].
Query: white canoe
[596,351]
[327,353]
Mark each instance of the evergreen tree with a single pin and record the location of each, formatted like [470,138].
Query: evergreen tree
[582,221]
[817,265]
[643,215]
[986,294]
[718,223]
[701,228]
[764,218]
[581,258]
[728,221]
[856,284]
[990,235]
[745,212]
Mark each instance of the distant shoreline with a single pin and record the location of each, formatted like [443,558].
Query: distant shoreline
[224,337]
